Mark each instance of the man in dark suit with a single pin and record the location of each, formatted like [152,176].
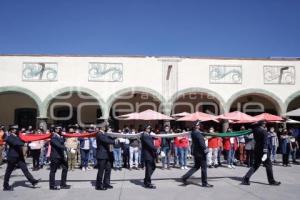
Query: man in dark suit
[58,157]
[261,154]
[15,158]
[199,151]
[105,159]
[148,153]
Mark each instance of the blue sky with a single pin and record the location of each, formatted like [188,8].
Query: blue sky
[229,28]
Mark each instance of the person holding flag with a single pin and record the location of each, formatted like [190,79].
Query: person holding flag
[15,158]
[261,154]
[58,157]
[199,151]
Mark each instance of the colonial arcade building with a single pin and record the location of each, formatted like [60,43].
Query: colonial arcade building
[44,89]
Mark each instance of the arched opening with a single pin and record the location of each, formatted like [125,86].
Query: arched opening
[129,102]
[254,104]
[73,107]
[195,101]
[22,109]
[294,104]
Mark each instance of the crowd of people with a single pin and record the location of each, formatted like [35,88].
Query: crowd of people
[174,152]
[171,152]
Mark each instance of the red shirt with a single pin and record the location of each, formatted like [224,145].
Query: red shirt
[227,145]
[157,142]
[2,142]
[213,142]
[183,142]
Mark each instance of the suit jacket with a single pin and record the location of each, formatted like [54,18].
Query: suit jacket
[148,148]
[103,147]
[15,151]
[198,147]
[57,147]
[261,140]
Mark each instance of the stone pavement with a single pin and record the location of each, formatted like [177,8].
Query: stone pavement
[128,185]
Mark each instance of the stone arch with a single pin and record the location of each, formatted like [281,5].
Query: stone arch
[25,91]
[79,90]
[178,94]
[290,98]
[260,92]
[146,90]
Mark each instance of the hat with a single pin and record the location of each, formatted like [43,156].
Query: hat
[147,126]
[197,123]
[11,127]
[90,130]
[261,122]
[102,124]
[58,127]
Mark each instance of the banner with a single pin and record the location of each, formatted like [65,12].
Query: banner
[36,137]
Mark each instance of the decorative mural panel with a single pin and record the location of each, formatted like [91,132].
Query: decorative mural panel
[170,76]
[279,75]
[225,74]
[109,72]
[39,72]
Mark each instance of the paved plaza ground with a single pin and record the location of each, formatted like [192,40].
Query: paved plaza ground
[128,185]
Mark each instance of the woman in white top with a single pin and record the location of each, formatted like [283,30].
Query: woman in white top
[35,150]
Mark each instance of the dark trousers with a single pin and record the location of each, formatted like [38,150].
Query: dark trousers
[35,153]
[149,169]
[285,159]
[11,165]
[126,156]
[257,162]
[249,158]
[199,162]
[104,171]
[54,165]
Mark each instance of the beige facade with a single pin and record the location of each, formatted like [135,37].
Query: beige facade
[92,85]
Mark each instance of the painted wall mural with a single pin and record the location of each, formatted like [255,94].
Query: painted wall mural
[225,74]
[39,72]
[279,75]
[106,72]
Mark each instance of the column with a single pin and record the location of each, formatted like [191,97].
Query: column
[42,122]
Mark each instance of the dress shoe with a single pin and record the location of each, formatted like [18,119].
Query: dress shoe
[184,181]
[150,186]
[8,188]
[100,188]
[35,182]
[245,181]
[109,186]
[54,188]
[207,185]
[275,183]
[65,187]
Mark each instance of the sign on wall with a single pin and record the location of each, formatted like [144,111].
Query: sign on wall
[39,72]
[109,72]
[225,74]
[279,75]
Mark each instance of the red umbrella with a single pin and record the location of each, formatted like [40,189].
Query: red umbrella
[268,117]
[182,114]
[198,116]
[128,115]
[149,115]
[237,116]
